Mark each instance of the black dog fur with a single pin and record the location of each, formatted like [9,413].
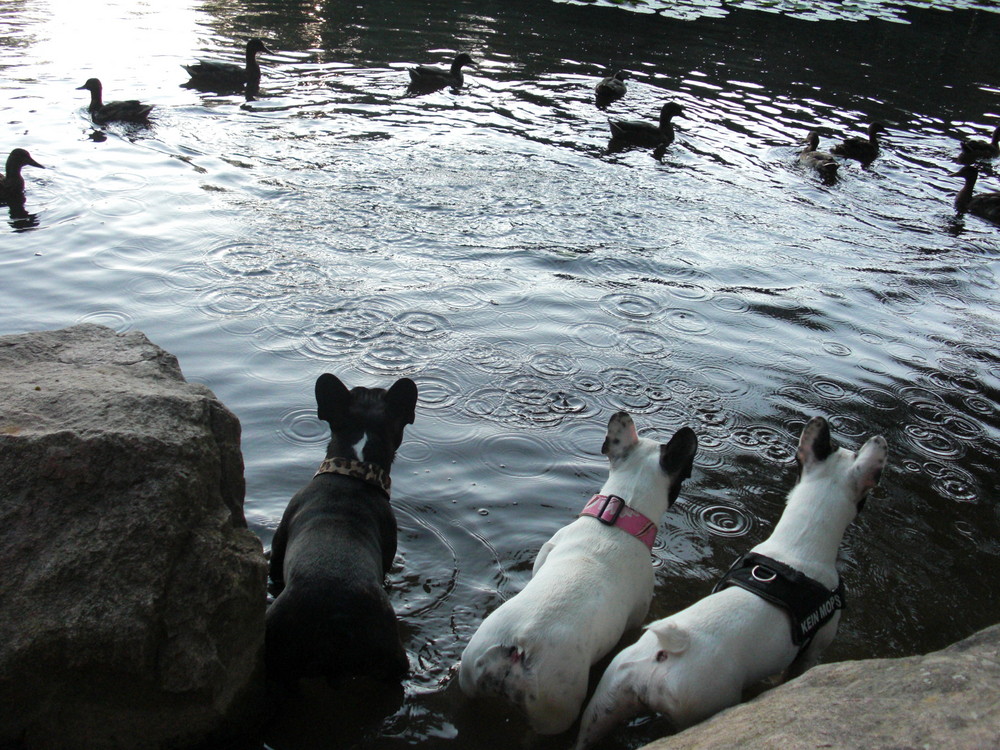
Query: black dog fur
[333,547]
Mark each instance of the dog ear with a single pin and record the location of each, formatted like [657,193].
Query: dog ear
[867,468]
[332,398]
[621,435]
[677,456]
[815,444]
[670,636]
[677,459]
[402,399]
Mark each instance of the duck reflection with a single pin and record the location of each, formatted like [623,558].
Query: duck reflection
[21,220]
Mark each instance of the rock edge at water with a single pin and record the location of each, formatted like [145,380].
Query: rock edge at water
[946,700]
[132,596]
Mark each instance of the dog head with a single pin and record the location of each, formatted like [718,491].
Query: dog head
[366,424]
[642,463]
[853,474]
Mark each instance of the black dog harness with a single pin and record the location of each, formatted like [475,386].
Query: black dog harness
[809,603]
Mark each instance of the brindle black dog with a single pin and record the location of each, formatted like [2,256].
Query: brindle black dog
[336,541]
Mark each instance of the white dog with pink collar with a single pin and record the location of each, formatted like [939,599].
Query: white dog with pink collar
[591,582]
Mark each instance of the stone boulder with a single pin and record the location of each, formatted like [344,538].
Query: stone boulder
[947,700]
[132,595]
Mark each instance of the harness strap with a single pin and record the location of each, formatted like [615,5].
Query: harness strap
[611,510]
[809,603]
[349,467]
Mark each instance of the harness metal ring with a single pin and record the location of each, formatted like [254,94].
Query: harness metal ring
[765,576]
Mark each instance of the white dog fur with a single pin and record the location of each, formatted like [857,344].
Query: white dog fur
[590,582]
[698,661]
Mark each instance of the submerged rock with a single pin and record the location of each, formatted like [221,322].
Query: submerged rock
[132,596]
[945,700]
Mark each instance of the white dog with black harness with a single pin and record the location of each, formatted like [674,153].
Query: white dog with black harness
[775,610]
[591,581]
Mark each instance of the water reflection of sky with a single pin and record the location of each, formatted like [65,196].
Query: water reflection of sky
[113,36]
[821,10]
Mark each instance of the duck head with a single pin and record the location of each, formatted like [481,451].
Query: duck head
[970,172]
[18,158]
[462,60]
[668,111]
[93,85]
[671,109]
[256,45]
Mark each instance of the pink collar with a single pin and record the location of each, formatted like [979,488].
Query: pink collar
[611,510]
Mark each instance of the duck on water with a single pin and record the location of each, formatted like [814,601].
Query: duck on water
[974,150]
[427,78]
[625,133]
[130,110]
[223,76]
[864,150]
[821,161]
[985,205]
[12,183]
[610,89]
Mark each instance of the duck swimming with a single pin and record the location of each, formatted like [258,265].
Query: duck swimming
[610,89]
[427,78]
[641,133]
[228,76]
[821,161]
[984,205]
[972,150]
[131,110]
[861,149]
[12,183]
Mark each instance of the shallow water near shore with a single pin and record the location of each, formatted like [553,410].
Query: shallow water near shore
[485,243]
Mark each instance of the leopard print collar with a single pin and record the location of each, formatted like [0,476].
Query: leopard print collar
[374,475]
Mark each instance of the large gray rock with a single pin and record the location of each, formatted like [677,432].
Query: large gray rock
[946,700]
[132,594]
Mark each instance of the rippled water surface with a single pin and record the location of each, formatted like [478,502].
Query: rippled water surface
[486,243]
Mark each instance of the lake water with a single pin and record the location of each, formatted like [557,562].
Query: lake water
[485,243]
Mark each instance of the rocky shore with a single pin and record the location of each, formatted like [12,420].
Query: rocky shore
[133,595]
